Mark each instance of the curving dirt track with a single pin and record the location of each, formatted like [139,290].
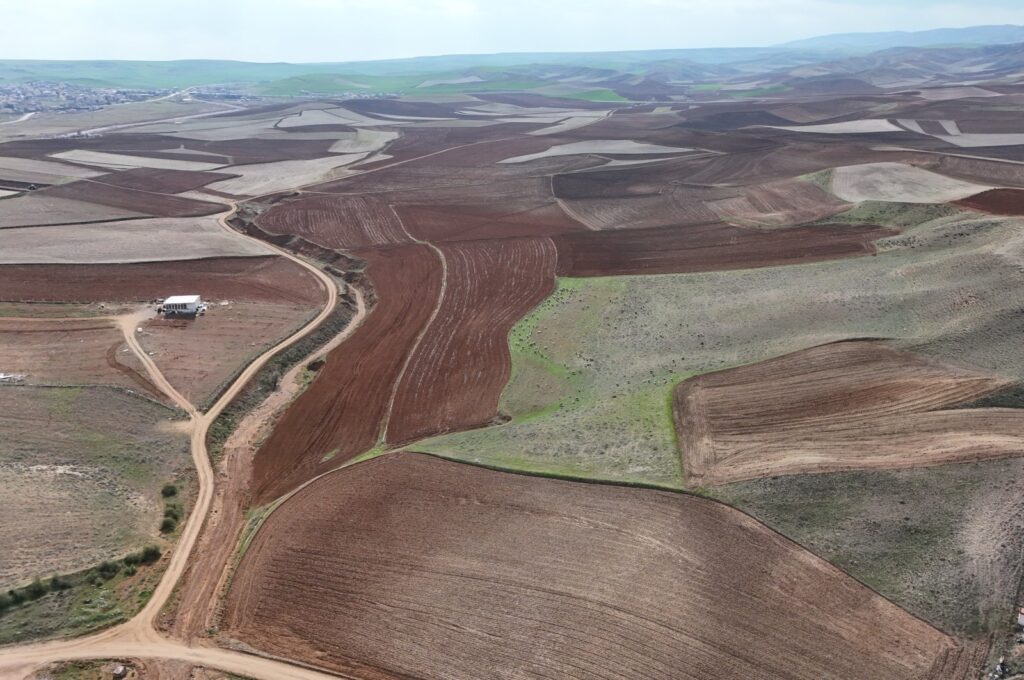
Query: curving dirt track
[342,413]
[410,566]
[707,247]
[845,406]
[457,371]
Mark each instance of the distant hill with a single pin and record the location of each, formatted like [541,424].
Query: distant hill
[867,42]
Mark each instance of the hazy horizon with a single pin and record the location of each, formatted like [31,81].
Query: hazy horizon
[361,30]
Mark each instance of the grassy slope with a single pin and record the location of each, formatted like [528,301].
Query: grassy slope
[595,364]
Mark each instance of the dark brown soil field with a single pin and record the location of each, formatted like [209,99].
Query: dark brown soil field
[341,414]
[997,201]
[253,279]
[336,221]
[845,406]
[158,205]
[408,566]
[454,378]
[163,181]
[709,247]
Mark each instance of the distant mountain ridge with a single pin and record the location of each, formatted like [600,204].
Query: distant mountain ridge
[972,35]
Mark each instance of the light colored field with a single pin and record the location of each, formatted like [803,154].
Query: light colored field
[594,366]
[452,81]
[936,94]
[148,240]
[4,192]
[265,178]
[363,141]
[198,356]
[978,139]
[837,407]
[216,129]
[310,117]
[599,146]
[898,183]
[39,208]
[80,477]
[49,124]
[120,161]
[45,172]
[572,123]
[778,204]
[851,127]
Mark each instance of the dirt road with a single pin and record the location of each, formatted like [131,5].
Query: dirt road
[138,636]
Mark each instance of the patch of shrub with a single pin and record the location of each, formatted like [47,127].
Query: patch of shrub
[169,490]
[35,590]
[168,525]
[150,554]
[59,583]
[173,510]
[108,569]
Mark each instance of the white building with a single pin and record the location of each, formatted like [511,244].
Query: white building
[183,304]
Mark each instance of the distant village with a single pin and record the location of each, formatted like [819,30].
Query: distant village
[22,98]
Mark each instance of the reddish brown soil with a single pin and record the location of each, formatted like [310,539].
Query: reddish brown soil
[336,221]
[409,566]
[163,181]
[997,201]
[711,247]
[843,406]
[506,210]
[342,412]
[69,352]
[455,376]
[158,205]
[256,279]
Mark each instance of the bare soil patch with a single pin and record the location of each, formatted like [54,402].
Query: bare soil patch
[162,181]
[341,414]
[780,204]
[454,378]
[709,247]
[246,279]
[70,352]
[146,202]
[336,221]
[483,572]
[199,356]
[997,201]
[843,406]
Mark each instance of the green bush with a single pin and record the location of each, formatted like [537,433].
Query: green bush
[168,525]
[169,490]
[150,554]
[131,559]
[59,583]
[173,510]
[6,601]
[108,569]
[35,590]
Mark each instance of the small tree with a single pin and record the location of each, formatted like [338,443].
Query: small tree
[35,590]
[168,525]
[108,569]
[59,583]
[169,490]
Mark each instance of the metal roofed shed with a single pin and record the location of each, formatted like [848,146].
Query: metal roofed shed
[183,304]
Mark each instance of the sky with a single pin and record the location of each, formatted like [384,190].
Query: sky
[352,30]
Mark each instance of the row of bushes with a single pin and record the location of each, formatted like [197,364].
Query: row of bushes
[106,570]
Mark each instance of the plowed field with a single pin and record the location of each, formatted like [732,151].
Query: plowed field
[342,221]
[709,247]
[341,414]
[998,201]
[162,181]
[256,279]
[122,198]
[779,204]
[843,406]
[455,376]
[407,566]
